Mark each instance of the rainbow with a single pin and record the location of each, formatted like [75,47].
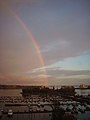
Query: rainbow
[31,37]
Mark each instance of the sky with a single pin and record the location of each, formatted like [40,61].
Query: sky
[45,42]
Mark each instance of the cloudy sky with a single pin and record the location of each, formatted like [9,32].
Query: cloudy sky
[45,42]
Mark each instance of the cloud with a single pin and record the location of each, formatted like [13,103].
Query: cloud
[23,80]
[58,72]
[58,76]
[61,30]
[43,76]
[55,76]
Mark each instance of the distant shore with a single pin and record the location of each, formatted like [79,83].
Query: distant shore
[31,86]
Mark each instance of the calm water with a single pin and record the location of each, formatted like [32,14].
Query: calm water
[35,116]
[17,92]
[83,91]
[10,92]
[40,116]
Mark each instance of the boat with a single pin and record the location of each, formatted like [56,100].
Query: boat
[81,110]
[76,111]
[42,105]
[38,104]
[37,109]
[68,109]
[10,112]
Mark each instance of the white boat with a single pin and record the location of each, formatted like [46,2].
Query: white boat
[38,110]
[10,112]
[38,104]
[1,109]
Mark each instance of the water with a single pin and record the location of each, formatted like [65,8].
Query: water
[82,91]
[17,92]
[35,116]
[40,116]
[10,92]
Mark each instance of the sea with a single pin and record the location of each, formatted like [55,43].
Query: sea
[17,92]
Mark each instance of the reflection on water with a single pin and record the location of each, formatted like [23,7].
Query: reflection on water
[10,92]
[35,116]
[17,92]
[83,91]
[41,116]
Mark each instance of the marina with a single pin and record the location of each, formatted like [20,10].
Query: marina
[39,107]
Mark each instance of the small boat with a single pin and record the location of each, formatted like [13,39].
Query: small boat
[42,105]
[38,110]
[1,110]
[10,112]
[68,109]
[38,104]
[76,111]
[82,110]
